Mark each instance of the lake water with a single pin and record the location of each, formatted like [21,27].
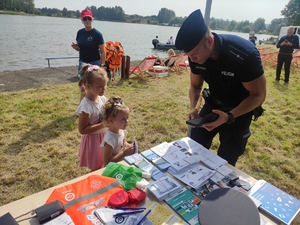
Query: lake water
[25,41]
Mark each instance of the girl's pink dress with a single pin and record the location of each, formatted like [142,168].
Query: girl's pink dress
[90,153]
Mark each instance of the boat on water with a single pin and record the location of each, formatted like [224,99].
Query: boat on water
[164,46]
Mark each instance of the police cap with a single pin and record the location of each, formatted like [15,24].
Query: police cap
[191,31]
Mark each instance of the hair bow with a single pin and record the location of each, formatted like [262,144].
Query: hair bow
[92,68]
[118,101]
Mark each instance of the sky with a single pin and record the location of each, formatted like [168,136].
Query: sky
[238,10]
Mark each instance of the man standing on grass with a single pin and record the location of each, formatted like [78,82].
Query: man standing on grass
[286,46]
[232,68]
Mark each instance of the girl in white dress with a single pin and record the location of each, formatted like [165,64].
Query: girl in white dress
[115,147]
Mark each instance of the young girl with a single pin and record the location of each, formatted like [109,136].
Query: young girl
[90,124]
[114,144]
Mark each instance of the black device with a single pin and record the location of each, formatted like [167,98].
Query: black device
[198,121]
[7,219]
[49,211]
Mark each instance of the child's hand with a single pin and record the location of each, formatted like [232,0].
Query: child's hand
[128,150]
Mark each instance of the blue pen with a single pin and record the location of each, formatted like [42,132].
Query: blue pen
[128,213]
[131,208]
[140,221]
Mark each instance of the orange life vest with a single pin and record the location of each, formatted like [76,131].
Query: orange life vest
[81,198]
[114,54]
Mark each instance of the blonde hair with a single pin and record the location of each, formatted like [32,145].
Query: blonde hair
[171,52]
[114,105]
[91,72]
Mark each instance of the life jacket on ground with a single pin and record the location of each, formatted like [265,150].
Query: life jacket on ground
[114,54]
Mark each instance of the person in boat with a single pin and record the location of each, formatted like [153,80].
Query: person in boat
[155,41]
[170,41]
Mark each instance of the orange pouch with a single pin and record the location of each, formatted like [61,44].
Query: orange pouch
[80,199]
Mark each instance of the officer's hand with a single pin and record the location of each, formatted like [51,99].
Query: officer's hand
[193,114]
[223,118]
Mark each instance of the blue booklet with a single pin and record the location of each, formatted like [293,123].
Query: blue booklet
[150,155]
[161,164]
[275,201]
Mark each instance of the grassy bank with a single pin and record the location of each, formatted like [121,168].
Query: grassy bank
[39,138]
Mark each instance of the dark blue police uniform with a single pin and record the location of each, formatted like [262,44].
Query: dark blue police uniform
[238,61]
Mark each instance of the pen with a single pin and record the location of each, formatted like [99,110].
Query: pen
[128,213]
[139,222]
[131,208]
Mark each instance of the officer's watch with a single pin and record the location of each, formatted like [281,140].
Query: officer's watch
[230,118]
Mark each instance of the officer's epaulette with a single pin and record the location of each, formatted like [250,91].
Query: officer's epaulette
[237,54]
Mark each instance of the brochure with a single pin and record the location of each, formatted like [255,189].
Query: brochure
[130,159]
[150,155]
[186,204]
[161,164]
[163,187]
[275,201]
[195,176]
[162,215]
[148,167]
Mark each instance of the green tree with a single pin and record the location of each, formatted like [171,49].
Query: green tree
[246,29]
[240,25]
[65,12]
[275,26]
[165,15]
[212,23]
[231,25]
[291,12]
[259,25]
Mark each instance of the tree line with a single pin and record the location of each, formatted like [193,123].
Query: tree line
[165,16]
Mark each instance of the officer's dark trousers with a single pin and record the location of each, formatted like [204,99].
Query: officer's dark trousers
[286,59]
[233,138]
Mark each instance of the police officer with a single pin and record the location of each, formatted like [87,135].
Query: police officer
[286,46]
[232,68]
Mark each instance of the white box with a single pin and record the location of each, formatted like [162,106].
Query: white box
[160,71]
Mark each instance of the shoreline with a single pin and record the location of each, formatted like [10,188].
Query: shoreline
[18,80]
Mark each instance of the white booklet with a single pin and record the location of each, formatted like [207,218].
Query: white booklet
[195,176]
[164,187]
[162,148]
[183,164]
[63,219]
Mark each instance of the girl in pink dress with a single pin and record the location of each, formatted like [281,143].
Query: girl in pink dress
[90,123]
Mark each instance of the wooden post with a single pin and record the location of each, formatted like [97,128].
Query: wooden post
[123,66]
[127,67]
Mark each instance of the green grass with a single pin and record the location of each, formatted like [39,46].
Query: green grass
[39,139]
